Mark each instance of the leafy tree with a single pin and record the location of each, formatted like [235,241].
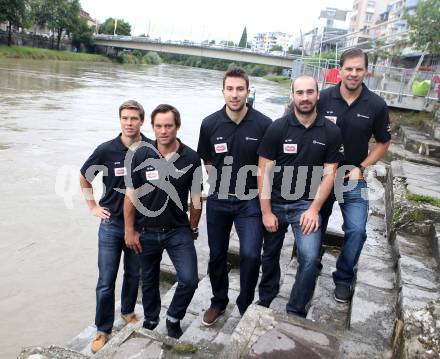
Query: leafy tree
[378,51]
[424,25]
[108,27]
[16,12]
[276,48]
[58,15]
[82,35]
[243,39]
[293,51]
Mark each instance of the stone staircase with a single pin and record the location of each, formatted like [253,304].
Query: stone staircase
[394,313]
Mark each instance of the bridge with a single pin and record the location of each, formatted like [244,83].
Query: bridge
[216,51]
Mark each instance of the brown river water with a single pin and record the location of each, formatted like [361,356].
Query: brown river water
[52,115]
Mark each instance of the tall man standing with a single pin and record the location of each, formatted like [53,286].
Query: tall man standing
[163,175]
[109,158]
[228,142]
[305,148]
[360,114]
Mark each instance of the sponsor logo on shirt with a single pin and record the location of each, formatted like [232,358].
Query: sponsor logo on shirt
[332,118]
[221,148]
[341,149]
[152,175]
[251,139]
[290,148]
[318,143]
[120,171]
[389,127]
[363,116]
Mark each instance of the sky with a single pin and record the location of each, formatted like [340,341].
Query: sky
[199,20]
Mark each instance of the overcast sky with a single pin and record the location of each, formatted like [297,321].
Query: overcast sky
[199,20]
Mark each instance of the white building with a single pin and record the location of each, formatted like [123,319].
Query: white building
[332,23]
[264,41]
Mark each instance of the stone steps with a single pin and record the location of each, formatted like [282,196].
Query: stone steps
[420,142]
[397,151]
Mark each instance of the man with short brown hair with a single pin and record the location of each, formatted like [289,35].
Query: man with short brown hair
[109,158]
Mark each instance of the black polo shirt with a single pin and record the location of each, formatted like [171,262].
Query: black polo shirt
[163,186]
[109,158]
[366,116]
[221,137]
[296,150]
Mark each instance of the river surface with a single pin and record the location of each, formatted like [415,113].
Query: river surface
[53,114]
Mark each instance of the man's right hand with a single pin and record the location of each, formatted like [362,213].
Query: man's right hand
[100,212]
[132,241]
[270,222]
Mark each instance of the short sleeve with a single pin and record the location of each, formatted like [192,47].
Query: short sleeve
[269,144]
[136,175]
[335,150]
[381,125]
[204,145]
[88,169]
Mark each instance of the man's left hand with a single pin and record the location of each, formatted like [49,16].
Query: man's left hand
[309,221]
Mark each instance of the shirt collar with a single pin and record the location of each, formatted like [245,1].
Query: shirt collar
[122,147]
[247,117]
[181,150]
[336,93]
[293,121]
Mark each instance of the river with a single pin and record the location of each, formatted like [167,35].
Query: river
[53,114]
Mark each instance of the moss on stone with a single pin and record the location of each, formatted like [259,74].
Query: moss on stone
[185,349]
[423,199]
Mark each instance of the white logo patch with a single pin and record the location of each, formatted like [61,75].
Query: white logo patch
[290,148]
[221,148]
[332,118]
[318,143]
[121,171]
[341,149]
[363,116]
[152,175]
[251,139]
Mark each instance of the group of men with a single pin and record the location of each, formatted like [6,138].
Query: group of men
[263,177]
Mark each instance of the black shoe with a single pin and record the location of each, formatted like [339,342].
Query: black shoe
[262,304]
[174,330]
[149,325]
[343,293]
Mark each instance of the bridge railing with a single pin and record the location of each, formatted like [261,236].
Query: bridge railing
[381,79]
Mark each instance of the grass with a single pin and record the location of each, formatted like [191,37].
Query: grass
[283,80]
[423,199]
[23,52]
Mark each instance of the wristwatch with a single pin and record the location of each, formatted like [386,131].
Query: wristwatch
[363,169]
[195,231]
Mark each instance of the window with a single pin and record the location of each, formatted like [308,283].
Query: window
[369,17]
[371,3]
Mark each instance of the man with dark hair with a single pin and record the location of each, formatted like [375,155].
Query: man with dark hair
[163,174]
[228,144]
[109,158]
[360,114]
[301,140]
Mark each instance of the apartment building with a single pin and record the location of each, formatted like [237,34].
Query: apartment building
[264,41]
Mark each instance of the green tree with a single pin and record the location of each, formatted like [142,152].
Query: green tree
[108,27]
[243,39]
[16,12]
[424,26]
[293,51]
[82,35]
[276,48]
[378,51]
[58,15]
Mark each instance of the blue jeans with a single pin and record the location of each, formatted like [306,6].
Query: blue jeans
[355,214]
[246,215]
[308,249]
[180,247]
[110,246]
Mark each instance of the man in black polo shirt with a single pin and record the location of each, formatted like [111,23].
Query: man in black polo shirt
[109,158]
[163,175]
[304,147]
[360,114]
[228,144]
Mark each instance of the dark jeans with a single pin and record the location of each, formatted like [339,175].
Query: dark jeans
[246,215]
[180,247]
[355,214]
[110,246]
[308,249]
